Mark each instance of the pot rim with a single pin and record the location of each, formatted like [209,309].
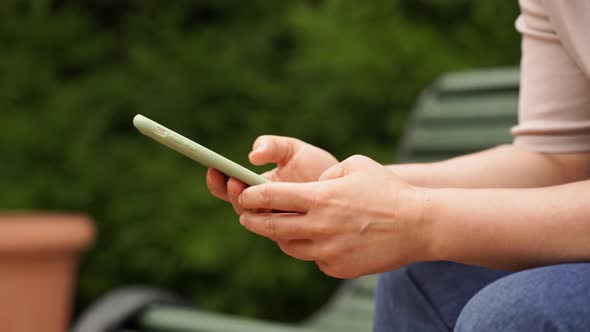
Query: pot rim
[43,231]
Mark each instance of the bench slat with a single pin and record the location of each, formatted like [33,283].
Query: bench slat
[486,79]
[458,139]
[479,107]
[168,319]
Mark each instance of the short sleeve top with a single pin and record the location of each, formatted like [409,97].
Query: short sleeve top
[554,102]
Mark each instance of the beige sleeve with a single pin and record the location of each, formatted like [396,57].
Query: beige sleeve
[554,104]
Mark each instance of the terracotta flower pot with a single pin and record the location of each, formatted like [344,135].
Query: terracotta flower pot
[38,261]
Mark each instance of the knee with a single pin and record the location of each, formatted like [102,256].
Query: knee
[497,308]
[533,300]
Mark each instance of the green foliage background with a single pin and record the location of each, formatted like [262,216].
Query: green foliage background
[338,74]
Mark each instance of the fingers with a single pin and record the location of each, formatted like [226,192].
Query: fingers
[347,166]
[216,182]
[234,188]
[283,196]
[281,226]
[227,189]
[273,149]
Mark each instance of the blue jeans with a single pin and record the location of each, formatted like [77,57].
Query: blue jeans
[444,296]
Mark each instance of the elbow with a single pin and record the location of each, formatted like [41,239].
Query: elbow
[570,167]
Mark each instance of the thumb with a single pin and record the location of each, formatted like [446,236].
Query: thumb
[273,149]
[350,165]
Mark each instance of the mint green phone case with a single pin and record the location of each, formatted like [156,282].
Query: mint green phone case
[195,151]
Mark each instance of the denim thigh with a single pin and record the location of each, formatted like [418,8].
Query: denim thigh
[427,297]
[550,298]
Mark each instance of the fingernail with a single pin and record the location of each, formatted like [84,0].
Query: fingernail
[242,219]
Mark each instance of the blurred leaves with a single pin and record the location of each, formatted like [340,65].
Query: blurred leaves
[339,74]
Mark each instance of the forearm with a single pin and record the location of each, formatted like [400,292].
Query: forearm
[510,228]
[501,167]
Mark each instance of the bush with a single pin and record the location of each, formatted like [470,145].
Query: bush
[339,74]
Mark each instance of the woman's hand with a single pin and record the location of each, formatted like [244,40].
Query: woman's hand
[359,219]
[296,161]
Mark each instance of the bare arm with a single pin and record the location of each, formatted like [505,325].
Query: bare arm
[507,228]
[511,228]
[504,166]
[361,218]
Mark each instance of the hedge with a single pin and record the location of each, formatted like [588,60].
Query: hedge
[339,74]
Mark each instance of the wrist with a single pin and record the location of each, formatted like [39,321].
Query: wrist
[414,209]
[414,174]
[439,228]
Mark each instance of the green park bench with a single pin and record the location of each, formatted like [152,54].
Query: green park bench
[460,113]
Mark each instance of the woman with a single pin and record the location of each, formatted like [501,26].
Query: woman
[523,207]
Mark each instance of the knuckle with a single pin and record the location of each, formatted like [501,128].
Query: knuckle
[329,253]
[322,230]
[357,158]
[321,196]
[212,185]
[283,150]
[325,268]
[292,249]
[259,140]
[245,220]
[332,270]
[231,196]
[214,192]
[341,272]
[209,181]
[285,247]
[270,226]
[265,195]
[238,209]
[271,175]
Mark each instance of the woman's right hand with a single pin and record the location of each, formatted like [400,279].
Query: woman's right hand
[296,161]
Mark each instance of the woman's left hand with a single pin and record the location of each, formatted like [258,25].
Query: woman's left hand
[358,219]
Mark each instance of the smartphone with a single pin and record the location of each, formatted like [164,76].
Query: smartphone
[195,151]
